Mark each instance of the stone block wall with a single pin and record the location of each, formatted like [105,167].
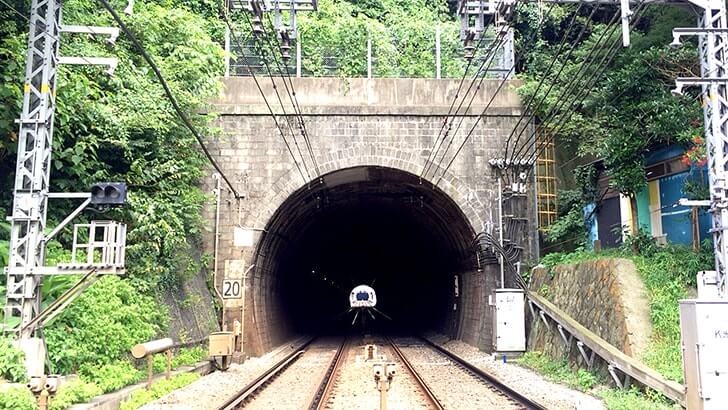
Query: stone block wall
[351,122]
[606,296]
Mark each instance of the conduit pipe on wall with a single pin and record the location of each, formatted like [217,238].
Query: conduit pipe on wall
[216,245]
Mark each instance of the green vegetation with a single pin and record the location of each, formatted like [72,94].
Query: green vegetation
[559,371]
[77,391]
[615,399]
[668,273]
[159,389]
[17,398]
[12,367]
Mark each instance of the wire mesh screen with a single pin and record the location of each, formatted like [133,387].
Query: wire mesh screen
[376,56]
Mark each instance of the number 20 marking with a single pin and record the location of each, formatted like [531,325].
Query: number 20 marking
[231,289]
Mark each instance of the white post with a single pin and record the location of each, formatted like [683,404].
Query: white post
[437,51]
[227,52]
[298,55]
[369,56]
[500,230]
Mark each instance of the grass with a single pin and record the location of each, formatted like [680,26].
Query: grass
[159,389]
[667,274]
[559,371]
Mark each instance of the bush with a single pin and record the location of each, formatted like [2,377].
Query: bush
[102,325]
[12,365]
[77,391]
[111,377]
[631,399]
[17,398]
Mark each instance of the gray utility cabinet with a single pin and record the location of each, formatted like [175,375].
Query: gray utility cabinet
[704,327]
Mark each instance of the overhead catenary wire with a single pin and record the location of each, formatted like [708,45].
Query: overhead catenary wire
[455,98]
[529,41]
[280,102]
[480,76]
[235,37]
[293,98]
[170,96]
[529,107]
[576,78]
[584,91]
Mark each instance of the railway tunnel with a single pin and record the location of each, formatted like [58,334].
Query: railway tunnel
[369,218]
[364,225]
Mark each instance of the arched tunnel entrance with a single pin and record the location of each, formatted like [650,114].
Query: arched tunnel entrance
[364,225]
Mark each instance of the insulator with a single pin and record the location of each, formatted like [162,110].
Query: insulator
[257,26]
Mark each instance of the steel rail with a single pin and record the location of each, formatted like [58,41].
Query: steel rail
[327,384]
[487,377]
[239,398]
[425,388]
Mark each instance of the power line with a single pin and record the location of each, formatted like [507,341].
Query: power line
[294,98]
[489,58]
[570,87]
[584,91]
[185,120]
[530,40]
[529,107]
[15,10]
[455,98]
[265,99]
[280,100]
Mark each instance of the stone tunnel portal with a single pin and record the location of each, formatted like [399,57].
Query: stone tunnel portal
[363,225]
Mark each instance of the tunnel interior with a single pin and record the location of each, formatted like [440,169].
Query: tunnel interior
[366,225]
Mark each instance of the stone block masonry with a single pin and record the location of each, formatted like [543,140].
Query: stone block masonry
[390,123]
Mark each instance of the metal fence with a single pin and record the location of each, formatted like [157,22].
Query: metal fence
[247,59]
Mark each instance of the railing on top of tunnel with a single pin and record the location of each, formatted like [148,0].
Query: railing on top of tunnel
[366,56]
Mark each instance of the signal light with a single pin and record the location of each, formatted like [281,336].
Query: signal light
[108,193]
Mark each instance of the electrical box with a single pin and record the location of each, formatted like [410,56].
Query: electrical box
[510,321]
[704,327]
[221,344]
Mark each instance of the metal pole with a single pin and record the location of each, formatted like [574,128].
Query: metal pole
[500,229]
[32,176]
[227,52]
[369,56]
[437,52]
[298,55]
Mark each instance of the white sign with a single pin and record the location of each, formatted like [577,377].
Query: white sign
[232,289]
[243,238]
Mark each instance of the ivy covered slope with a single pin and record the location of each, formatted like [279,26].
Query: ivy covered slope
[120,128]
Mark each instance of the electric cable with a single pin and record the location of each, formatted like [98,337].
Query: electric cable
[501,39]
[583,93]
[455,98]
[293,98]
[557,79]
[530,40]
[170,96]
[529,105]
[576,78]
[280,101]
[265,99]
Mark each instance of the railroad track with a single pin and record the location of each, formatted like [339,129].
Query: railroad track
[313,351]
[496,386]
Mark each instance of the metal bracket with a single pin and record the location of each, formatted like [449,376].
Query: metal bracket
[530,306]
[112,32]
[69,218]
[111,62]
[566,339]
[679,32]
[613,370]
[544,319]
[683,82]
[588,358]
